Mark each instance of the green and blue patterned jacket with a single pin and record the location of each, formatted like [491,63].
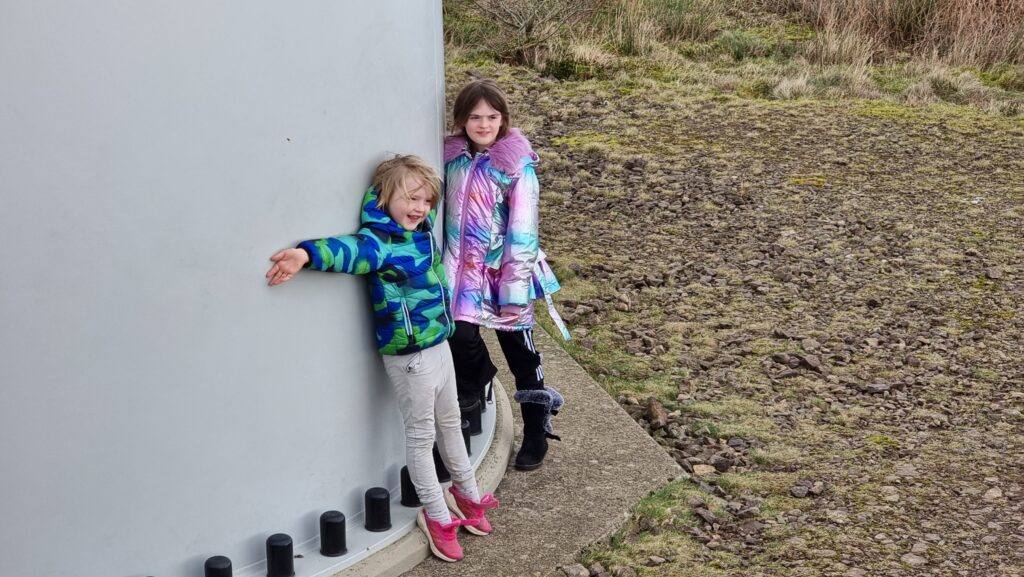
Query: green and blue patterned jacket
[407,284]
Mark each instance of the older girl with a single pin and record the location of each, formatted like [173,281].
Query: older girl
[493,260]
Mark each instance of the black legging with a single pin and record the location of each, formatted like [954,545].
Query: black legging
[473,366]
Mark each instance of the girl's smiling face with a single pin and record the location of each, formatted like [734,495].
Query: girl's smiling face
[482,125]
[410,207]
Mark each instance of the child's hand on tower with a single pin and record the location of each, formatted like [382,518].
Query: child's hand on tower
[286,263]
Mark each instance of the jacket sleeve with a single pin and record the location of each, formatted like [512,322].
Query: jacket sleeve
[521,242]
[359,253]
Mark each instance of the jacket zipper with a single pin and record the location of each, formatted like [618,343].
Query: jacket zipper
[405,317]
[440,284]
[462,225]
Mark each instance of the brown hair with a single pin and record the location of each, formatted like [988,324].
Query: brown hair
[391,174]
[471,94]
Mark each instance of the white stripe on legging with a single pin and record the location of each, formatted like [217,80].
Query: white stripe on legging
[528,337]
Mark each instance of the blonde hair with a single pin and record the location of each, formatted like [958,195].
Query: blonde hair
[390,176]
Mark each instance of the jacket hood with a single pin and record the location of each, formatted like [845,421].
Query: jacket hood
[378,216]
[509,155]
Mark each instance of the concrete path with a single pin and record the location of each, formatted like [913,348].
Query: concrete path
[583,492]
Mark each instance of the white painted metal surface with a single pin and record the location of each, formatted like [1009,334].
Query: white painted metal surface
[160,404]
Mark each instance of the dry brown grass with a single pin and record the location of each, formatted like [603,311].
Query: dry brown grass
[686,19]
[982,32]
[836,44]
[589,52]
[968,32]
[906,51]
[793,87]
[526,28]
[637,26]
[631,27]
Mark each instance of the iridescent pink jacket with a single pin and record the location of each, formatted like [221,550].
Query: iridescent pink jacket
[491,253]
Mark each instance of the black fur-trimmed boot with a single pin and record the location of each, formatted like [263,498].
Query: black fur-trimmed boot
[535,442]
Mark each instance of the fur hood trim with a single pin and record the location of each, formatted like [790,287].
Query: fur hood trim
[509,155]
[550,399]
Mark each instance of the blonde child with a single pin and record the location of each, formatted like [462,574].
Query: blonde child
[395,248]
[493,259]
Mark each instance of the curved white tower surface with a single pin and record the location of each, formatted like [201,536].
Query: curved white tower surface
[160,404]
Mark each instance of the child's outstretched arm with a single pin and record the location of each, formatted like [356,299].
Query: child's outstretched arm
[521,241]
[359,253]
[287,262]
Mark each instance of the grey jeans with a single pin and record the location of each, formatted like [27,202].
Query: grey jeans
[424,384]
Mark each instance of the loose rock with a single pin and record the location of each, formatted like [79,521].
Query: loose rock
[905,470]
[704,470]
[993,494]
[654,561]
[876,388]
[913,560]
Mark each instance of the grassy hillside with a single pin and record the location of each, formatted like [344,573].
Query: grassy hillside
[814,268]
[906,51]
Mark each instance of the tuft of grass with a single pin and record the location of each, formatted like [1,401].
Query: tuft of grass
[682,20]
[839,44]
[581,60]
[569,69]
[741,44]
[761,483]
[672,503]
[793,88]
[985,374]
[590,142]
[774,455]
[706,428]
[760,88]
[816,180]
[945,89]
[630,28]
[732,405]
[1004,76]
[891,79]
[882,442]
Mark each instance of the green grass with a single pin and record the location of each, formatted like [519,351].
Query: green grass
[1003,76]
[893,80]
[760,483]
[743,44]
[882,442]
[731,405]
[817,180]
[673,503]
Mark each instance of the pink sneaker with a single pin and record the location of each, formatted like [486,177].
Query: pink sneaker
[464,508]
[443,539]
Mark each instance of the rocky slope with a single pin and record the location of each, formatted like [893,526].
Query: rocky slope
[815,306]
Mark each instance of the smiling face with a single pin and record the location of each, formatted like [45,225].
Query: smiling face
[410,205]
[481,114]
[482,125]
